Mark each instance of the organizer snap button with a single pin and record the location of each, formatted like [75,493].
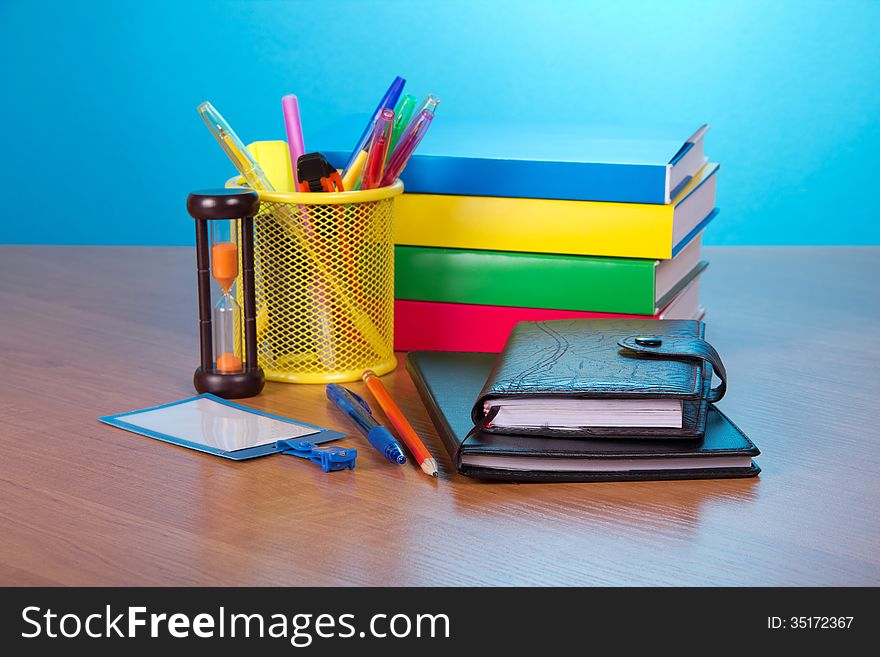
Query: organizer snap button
[649,341]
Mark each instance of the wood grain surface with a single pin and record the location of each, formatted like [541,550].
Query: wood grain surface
[86,332]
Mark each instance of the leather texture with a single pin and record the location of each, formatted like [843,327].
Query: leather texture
[448,381]
[582,358]
[682,348]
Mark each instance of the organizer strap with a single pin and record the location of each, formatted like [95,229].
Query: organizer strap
[681,348]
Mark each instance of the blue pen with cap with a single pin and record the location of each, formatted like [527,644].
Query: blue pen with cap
[359,412]
[389,100]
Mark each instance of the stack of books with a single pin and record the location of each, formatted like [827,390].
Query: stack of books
[501,225]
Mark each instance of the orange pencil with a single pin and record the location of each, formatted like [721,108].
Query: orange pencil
[398,421]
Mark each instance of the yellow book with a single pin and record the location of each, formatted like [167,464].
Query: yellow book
[624,230]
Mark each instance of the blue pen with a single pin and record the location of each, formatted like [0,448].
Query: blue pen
[358,412]
[389,100]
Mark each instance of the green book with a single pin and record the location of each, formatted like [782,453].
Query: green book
[537,280]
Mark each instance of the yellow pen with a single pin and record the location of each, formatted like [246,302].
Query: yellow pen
[354,172]
[241,157]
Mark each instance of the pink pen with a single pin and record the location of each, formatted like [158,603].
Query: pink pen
[378,150]
[409,141]
[294,132]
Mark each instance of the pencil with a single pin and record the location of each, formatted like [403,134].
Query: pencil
[404,429]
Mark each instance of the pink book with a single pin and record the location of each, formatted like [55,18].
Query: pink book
[436,326]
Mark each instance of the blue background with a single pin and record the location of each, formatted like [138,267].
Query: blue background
[101,141]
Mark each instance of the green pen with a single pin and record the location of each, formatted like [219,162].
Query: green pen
[402,114]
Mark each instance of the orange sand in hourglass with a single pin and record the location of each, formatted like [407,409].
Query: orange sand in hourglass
[224,263]
[224,269]
[228,363]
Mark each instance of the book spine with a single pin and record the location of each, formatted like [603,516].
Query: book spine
[634,230]
[525,280]
[432,326]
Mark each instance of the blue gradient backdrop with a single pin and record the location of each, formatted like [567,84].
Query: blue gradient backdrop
[101,141]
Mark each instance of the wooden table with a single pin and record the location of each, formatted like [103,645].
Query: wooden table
[86,332]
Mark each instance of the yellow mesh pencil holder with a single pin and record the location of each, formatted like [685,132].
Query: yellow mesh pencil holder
[324,283]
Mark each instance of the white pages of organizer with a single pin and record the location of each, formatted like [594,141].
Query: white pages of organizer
[575,414]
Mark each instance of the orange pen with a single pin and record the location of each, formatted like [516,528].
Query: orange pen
[404,429]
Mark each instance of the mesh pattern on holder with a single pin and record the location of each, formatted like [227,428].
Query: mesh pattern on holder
[324,280]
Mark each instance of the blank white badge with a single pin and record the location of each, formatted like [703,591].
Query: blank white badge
[212,424]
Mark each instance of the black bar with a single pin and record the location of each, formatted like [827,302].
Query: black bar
[445,621]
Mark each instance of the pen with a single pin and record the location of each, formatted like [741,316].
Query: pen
[350,179]
[398,421]
[241,157]
[389,100]
[402,114]
[358,412]
[293,125]
[378,150]
[409,141]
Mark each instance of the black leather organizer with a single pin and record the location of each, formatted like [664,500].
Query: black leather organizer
[606,359]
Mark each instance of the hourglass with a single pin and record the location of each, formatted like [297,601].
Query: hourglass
[227,334]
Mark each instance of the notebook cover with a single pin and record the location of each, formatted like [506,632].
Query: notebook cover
[624,230]
[438,326]
[531,280]
[622,164]
[580,358]
[449,382]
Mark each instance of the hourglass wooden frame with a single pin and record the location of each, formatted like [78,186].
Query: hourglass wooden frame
[227,375]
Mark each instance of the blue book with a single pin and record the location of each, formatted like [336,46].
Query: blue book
[549,161]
